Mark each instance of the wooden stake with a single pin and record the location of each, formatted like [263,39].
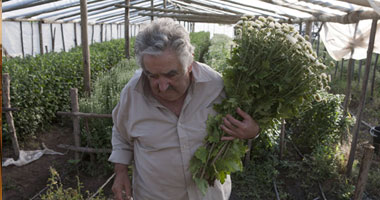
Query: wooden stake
[85,48]
[22,41]
[351,62]
[41,37]
[75,35]
[9,115]
[336,68]
[83,149]
[88,115]
[374,75]
[92,35]
[247,159]
[126,30]
[362,98]
[63,38]
[151,12]
[52,37]
[76,125]
[309,27]
[101,32]
[31,25]
[359,71]
[363,173]
[282,139]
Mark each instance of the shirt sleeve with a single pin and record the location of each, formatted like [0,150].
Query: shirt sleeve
[122,144]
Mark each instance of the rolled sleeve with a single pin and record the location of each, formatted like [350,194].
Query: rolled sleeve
[122,150]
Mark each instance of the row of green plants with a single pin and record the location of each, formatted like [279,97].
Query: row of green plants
[201,42]
[40,85]
[219,50]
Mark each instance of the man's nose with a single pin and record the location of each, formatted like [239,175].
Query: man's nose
[163,84]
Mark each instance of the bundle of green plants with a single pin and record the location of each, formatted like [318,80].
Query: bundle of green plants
[272,74]
[219,52]
[40,85]
[201,42]
[57,191]
[97,132]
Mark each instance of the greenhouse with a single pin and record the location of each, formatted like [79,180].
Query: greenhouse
[307,72]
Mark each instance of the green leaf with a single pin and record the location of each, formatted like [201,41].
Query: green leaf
[201,184]
[201,154]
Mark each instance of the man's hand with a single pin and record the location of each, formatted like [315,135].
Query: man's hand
[121,187]
[245,129]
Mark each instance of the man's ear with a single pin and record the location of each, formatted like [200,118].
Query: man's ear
[189,68]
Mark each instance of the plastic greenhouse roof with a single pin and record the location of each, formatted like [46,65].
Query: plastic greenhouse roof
[105,11]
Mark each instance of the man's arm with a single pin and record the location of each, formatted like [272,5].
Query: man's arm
[245,129]
[121,184]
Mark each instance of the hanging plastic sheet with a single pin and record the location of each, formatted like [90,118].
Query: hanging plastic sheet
[338,39]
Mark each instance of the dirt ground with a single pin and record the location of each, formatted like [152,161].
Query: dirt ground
[27,181]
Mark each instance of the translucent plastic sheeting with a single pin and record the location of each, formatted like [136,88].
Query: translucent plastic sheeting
[11,36]
[338,39]
[27,157]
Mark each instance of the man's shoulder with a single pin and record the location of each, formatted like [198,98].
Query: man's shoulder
[205,72]
[132,83]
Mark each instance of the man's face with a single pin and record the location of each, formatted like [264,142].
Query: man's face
[167,79]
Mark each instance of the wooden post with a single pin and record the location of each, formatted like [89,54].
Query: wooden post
[101,32]
[75,35]
[347,97]
[362,98]
[92,35]
[309,27]
[111,32]
[152,6]
[41,37]
[76,125]
[247,159]
[341,69]
[105,32]
[164,2]
[31,25]
[351,62]
[363,173]
[22,41]
[300,30]
[282,139]
[374,75]
[9,116]
[359,71]
[63,38]
[85,48]
[52,37]
[336,68]
[126,29]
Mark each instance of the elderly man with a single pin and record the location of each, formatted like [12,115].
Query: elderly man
[160,120]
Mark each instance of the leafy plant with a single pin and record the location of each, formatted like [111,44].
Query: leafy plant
[272,74]
[56,191]
[201,42]
[322,124]
[219,52]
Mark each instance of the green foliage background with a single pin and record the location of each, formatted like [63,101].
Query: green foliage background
[40,85]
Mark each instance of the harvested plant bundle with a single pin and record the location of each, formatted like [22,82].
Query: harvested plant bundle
[272,74]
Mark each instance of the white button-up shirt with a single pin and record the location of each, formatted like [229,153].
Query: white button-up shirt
[159,144]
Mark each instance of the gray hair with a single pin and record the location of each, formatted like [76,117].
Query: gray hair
[163,34]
